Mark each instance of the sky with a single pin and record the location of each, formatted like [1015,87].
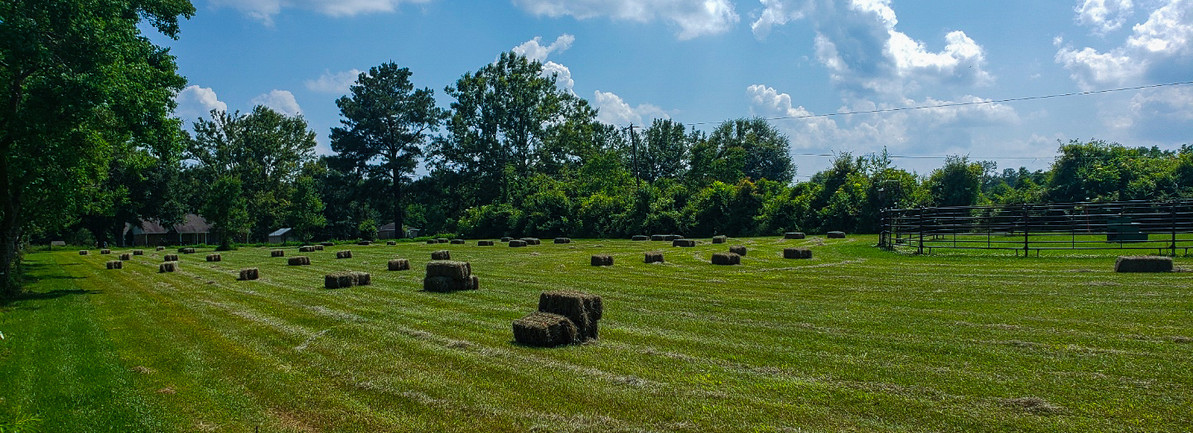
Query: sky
[812,66]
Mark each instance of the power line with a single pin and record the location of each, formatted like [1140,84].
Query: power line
[969,103]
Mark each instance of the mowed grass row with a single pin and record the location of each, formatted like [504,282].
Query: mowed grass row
[855,339]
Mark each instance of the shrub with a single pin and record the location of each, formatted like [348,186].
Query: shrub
[1143,264]
[115,264]
[726,259]
[683,243]
[540,329]
[602,260]
[399,265]
[441,255]
[653,257]
[797,253]
[249,274]
[738,249]
[584,310]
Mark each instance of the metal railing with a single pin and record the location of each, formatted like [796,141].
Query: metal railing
[1165,227]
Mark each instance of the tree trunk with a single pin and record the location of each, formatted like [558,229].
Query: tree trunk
[10,228]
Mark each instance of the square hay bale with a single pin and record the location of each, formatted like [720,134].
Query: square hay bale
[484,243]
[344,254]
[653,257]
[1143,264]
[214,258]
[719,239]
[540,329]
[476,283]
[726,259]
[170,258]
[674,237]
[298,261]
[339,280]
[365,243]
[327,244]
[249,274]
[84,252]
[602,260]
[167,267]
[187,250]
[457,242]
[441,255]
[506,239]
[449,276]
[797,253]
[399,265]
[532,241]
[105,251]
[738,249]
[363,278]
[160,249]
[517,243]
[306,249]
[391,243]
[459,271]
[794,235]
[126,256]
[318,247]
[277,253]
[138,252]
[639,238]
[441,241]
[563,240]
[683,243]
[659,238]
[431,242]
[835,235]
[115,264]
[584,310]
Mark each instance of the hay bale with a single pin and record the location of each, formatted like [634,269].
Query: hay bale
[306,249]
[449,276]
[298,261]
[344,254]
[214,258]
[441,241]
[170,258]
[187,250]
[365,243]
[738,249]
[327,244]
[126,256]
[391,243]
[457,242]
[431,242]
[794,235]
[584,310]
[115,264]
[719,239]
[160,249]
[540,329]
[399,265]
[249,274]
[683,243]
[318,247]
[653,257]
[602,260]
[797,253]
[339,280]
[138,252]
[835,235]
[517,243]
[105,251]
[84,252]
[167,267]
[658,237]
[563,240]
[1143,264]
[532,241]
[363,278]
[506,239]
[441,255]
[639,238]
[726,259]
[484,243]
[458,271]
[673,237]
[277,253]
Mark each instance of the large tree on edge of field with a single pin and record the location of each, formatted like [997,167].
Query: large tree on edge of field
[76,79]
[385,126]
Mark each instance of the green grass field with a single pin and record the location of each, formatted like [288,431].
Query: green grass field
[856,339]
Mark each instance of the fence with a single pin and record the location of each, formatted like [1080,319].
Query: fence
[1165,227]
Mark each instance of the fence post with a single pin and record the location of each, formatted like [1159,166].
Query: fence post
[921,224]
[1025,232]
[1173,224]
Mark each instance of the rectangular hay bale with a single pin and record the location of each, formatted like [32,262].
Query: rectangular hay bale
[540,329]
[602,260]
[170,258]
[298,261]
[441,255]
[249,274]
[126,256]
[797,253]
[719,239]
[277,253]
[738,249]
[115,264]
[398,265]
[583,309]
[214,258]
[683,243]
[1143,264]
[794,235]
[167,267]
[344,254]
[726,259]
[653,257]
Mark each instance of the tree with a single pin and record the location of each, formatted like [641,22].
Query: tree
[957,183]
[306,209]
[76,79]
[226,210]
[385,126]
[664,152]
[742,149]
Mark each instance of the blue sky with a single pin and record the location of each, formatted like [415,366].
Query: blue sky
[704,61]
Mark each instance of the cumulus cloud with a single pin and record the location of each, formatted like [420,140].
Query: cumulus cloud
[1159,49]
[265,10]
[694,18]
[1104,15]
[194,102]
[615,111]
[535,50]
[281,101]
[334,82]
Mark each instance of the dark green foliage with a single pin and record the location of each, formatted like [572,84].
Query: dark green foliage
[957,183]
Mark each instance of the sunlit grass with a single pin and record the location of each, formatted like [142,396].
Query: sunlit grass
[856,339]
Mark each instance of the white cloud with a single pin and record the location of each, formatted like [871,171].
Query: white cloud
[265,10]
[774,13]
[334,82]
[281,101]
[615,111]
[1104,15]
[1159,49]
[534,49]
[693,17]
[194,102]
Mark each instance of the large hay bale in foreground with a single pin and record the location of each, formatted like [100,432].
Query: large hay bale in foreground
[653,257]
[167,267]
[344,254]
[683,243]
[126,256]
[738,249]
[449,276]
[277,253]
[540,329]
[835,235]
[441,255]
[298,261]
[249,274]
[563,240]
[170,258]
[517,243]
[1143,264]
[639,238]
[484,243]
[602,260]
[399,265]
[794,235]
[719,239]
[797,253]
[105,251]
[584,310]
[214,258]
[726,259]
[84,252]
[306,249]
[115,264]
[138,252]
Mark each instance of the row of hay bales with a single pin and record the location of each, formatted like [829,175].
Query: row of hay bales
[733,257]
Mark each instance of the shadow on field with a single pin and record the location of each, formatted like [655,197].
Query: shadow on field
[41,296]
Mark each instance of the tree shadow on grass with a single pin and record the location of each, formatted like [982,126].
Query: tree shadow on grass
[36,273]
[41,296]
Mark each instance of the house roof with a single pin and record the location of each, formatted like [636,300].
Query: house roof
[281,232]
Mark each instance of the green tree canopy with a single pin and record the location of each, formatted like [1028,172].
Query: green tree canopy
[742,149]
